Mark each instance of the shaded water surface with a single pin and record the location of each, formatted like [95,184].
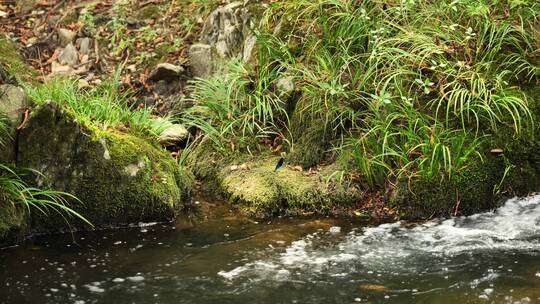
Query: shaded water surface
[492,257]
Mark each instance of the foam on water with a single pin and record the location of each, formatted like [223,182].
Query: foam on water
[393,247]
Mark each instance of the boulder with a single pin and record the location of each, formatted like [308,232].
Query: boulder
[173,135]
[13,102]
[119,178]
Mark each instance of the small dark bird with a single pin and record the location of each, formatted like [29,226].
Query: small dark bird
[279,164]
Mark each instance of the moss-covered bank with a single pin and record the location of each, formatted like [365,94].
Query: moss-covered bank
[256,189]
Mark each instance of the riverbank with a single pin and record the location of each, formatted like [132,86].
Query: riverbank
[380,111]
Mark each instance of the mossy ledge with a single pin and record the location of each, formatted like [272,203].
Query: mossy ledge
[251,184]
[119,178]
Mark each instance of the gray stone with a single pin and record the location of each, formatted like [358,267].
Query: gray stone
[69,55]
[173,135]
[13,102]
[229,29]
[84,46]
[201,62]
[66,36]
[166,71]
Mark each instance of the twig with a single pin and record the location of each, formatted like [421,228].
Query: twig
[96,50]
[24,120]
[457,204]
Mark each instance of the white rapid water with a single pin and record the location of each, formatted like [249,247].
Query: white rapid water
[394,248]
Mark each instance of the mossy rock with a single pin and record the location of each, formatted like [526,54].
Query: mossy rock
[479,187]
[470,191]
[253,186]
[119,178]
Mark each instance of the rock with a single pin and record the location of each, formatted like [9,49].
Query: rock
[173,135]
[166,71]
[497,151]
[201,62]
[82,84]
[285,86]
[229,28]
[69,55]
[58,69]
[13,102]
[334,230]
[120,178]
[66,36]
[84,46]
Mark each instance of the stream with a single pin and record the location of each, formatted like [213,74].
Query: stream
[493,257]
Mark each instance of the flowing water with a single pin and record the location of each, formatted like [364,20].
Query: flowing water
[492,257]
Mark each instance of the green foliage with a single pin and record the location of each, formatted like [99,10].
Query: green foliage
[14,191]
[118,26]
[104,105]
[233,109]
[87,19]
[402,89]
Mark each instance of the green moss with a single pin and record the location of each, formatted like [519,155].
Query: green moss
[251,183]
[13,62]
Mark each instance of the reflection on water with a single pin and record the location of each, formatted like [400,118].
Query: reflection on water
[487,258]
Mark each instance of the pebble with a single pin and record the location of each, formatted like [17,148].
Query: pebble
[334,230]
[136,278]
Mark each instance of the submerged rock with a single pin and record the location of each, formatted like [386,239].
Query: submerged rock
[119,178]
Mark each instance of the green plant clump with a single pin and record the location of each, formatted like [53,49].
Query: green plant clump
[409,89]
[103,106]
